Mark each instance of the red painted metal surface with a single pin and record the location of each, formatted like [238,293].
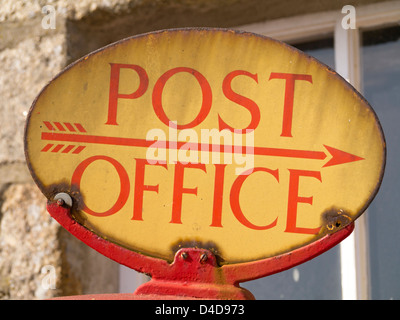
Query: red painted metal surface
[194,272]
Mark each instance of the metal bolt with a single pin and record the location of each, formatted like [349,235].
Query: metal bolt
[184,255]
[63,198]
[203,258]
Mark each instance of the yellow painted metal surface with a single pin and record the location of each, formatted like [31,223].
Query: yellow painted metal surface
[125,131]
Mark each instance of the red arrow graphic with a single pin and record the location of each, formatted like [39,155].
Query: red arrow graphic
[338,156]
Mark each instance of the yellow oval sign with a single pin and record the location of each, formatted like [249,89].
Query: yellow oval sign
[211,138]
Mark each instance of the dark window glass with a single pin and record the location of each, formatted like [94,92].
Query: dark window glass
[381,78]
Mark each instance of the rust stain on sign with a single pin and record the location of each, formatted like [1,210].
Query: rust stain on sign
[206,136]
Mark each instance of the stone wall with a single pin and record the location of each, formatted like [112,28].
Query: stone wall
[32,246]
[38,258]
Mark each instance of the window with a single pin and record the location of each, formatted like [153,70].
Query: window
[364,265]
[381,87]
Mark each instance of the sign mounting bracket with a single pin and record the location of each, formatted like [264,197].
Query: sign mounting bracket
[195,272]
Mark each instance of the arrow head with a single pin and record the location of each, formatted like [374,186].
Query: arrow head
[340,157]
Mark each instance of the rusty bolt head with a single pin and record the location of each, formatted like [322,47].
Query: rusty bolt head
[203,258]
[336,219]
[184,255]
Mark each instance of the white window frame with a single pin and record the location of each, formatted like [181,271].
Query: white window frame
[355,276]
[354,249]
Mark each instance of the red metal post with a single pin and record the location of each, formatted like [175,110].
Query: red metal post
[194,274]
